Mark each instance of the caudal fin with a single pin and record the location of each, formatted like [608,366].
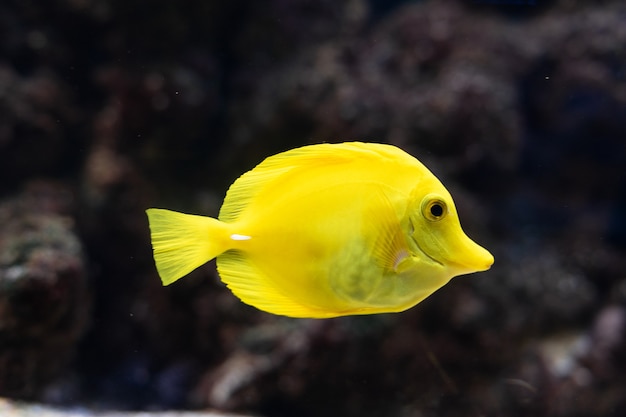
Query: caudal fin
[182,242]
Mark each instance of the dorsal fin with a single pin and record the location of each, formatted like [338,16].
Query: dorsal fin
[246,187]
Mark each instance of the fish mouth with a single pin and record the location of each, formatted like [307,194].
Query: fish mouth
[476,259]
[479,259]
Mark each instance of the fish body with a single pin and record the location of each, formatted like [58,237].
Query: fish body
[326,230]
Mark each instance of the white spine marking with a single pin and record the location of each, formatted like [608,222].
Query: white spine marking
[235,236]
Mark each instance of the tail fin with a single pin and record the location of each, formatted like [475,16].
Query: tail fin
[182,242]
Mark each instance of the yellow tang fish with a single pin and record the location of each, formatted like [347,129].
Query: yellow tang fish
[326,230]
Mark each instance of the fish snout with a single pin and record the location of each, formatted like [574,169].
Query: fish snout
[469,257]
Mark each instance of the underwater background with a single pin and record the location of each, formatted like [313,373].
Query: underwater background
[110,107]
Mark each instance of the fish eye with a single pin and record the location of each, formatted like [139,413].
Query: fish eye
[434,209]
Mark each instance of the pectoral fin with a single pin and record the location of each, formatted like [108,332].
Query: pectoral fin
[390,250]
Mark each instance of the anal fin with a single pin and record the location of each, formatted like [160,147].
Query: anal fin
[253,287]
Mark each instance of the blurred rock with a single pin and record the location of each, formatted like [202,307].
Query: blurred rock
[36,115]
[16,409]
[44,296]
[573,374]
[608,340]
